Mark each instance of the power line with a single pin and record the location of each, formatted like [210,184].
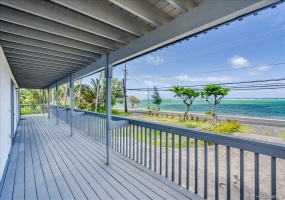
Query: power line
[207,72]
[234,86]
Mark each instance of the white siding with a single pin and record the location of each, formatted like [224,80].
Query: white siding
[5,105]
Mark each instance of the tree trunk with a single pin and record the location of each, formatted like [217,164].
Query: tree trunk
[132,105]
[187,110]
[214,124]
[98,91]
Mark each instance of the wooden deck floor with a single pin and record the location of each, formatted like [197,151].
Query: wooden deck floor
[46,163]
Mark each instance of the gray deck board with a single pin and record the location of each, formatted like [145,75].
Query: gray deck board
[30,184]
[19,185]
[46,163]
[41,187]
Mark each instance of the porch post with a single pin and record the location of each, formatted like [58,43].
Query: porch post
[71,86]
[19,105]
[108,75]
[43,110]
[48,103]
[57,110]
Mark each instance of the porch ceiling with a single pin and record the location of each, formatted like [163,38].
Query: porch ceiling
[46,40]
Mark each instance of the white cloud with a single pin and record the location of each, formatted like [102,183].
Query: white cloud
[258,70]
[263,68]
[149,83]
[154,60]
[239,62]
[204,79]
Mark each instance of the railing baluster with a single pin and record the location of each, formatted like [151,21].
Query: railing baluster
[160,151]
[241,174]
[166,156]
[173,157]
[137,144]
[145,146]
[124,140]
[273,177]
[112,141]
[150,148]
[188,164]
[228,173]
[127,141]
[130,142]
[141,145]
[205,169]
[134,142]
[256,167]
[117,139]
[216,171]
[180,161]
[196,166]
[155,140]
[120,139]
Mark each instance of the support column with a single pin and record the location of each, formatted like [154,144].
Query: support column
[44,96]
[71,86]
[19,106]
[108,75]
[57,110]
[48,103]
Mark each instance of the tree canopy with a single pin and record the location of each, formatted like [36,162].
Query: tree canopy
[218,93]
[188,95]
[134,100]
[156,97]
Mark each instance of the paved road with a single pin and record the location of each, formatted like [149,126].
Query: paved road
[243,120]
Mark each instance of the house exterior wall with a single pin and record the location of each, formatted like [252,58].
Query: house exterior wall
[5,109]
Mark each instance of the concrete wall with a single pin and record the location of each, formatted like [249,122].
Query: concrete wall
[5,105]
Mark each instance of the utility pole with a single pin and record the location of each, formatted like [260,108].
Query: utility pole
[148,99]
[125,86]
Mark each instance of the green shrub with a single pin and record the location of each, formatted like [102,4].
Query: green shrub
[192,117]
[166,116]
[116,112]
[191,125]
[226,128]
[187,117]
[149,112]
[208,113]
[156,114]
[172,116]
[197,119]
[205,120]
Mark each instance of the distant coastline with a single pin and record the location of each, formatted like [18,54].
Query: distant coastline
[269,108]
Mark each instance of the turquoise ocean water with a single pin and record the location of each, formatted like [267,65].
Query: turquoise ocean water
[260,108]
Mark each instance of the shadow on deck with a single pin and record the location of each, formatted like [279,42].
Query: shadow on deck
[46,163]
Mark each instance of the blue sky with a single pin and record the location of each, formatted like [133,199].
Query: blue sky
[254,41]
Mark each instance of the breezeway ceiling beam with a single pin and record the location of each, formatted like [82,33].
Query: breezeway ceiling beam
[44,56]
[107,14]
[70,18]
[183,5]
[144,10]
[34,64]
[31,49]
[208,15]
[24,73]
[61,44]
[40,67]
[42,60]
[33,22]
